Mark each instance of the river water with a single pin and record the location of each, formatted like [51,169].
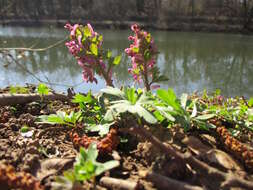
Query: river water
[191,61]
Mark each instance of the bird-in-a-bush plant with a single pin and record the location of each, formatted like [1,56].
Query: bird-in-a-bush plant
[86,46]
[143,53]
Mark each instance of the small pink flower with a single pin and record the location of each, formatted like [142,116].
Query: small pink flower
[80,49]
[135,28]
[68,26]
[73,31]
[137,53]
[131,38]
[79,39]
[134,65]
[80,62]
[151,63]
[127,50]
[91,30]
[74,49]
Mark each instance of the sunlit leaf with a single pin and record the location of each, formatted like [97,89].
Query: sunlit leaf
[117,60]
[194,111]
[113,91]
[184,100]
[79,98]
[135,49]
[102,129]
[169,97]
[42,89]
[109,54]
[94,49]
[92,152]
[164,111]
[205,116]
[250,103]
[106,166]
[87,32]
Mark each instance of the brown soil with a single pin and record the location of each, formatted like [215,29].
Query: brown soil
[50,151]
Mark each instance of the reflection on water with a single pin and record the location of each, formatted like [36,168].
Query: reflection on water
[192,61]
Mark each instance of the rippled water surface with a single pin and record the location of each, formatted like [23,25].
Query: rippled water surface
[192,61]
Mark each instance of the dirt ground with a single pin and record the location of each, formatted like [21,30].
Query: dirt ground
[47,150]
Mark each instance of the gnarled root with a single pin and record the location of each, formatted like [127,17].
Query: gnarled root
[9,179]
[235,147]
[104,145]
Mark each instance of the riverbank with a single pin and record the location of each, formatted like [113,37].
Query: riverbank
[188,15]
[180,24]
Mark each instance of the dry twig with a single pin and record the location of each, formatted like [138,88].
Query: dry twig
[113,183]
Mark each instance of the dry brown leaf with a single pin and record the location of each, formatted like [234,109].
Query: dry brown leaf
[195,145]
[221,158]
[53,166]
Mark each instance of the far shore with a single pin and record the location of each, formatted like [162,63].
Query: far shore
[180,24]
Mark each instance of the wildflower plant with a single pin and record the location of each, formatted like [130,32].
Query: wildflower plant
[86,46]
[143,53]
[86,168]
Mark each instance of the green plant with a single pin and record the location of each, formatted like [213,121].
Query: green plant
[250,103]
[90,107]
[156,108]
[24,129]
[92,111]
[129,101]
[183,110]
[236,111]
[85,168]
[61,118]
[18,90]
[43,89]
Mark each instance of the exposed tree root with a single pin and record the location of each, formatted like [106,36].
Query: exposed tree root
[12,99]
[219,179]
[113,183]
[162,182]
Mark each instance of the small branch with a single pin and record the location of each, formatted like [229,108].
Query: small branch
[162,182]
[33,75]
[9,99]
[32,49]
[113,183]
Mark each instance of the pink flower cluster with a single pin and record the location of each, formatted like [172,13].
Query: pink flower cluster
[142,52]
[85,45]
